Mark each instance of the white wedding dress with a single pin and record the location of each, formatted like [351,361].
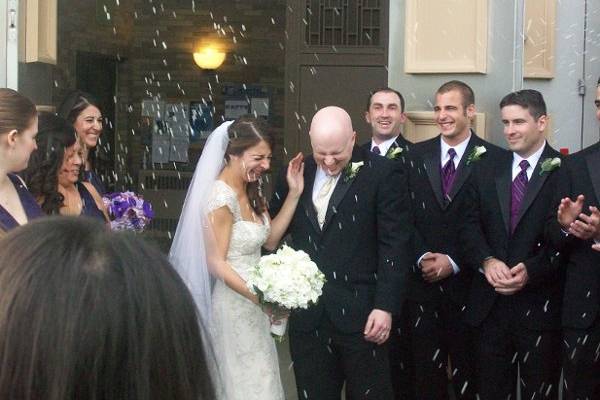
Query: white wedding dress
[244,348]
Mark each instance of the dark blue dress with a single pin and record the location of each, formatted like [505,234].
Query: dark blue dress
[89,207]
[31,207]
[92,177]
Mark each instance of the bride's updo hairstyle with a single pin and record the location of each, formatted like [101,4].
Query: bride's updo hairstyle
[246,132]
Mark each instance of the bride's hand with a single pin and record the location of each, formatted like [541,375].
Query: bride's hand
[295,175]
[275,314]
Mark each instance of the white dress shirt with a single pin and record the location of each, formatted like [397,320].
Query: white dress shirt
[532,160]
[320,178]
[384,146]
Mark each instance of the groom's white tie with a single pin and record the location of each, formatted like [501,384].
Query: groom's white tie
[322,200]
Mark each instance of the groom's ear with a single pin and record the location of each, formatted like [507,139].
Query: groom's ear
[353,138]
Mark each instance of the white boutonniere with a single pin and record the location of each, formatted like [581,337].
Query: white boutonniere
[393,153]
[550,164]
[476,154]
[352,169]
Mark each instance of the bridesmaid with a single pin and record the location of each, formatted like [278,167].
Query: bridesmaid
[82,110]
[54,173]
[18,129]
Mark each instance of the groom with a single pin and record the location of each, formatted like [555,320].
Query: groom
[353,220]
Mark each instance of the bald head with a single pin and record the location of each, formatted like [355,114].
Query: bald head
[330,122]
[332,139]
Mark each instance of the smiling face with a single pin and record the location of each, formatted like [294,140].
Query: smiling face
[253,162]
[385,115]
[523,133]
[332,153]
[451,116]
[88,125]
[71,165]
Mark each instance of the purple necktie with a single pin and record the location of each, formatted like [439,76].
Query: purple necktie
[376,150]
[519,187]
[448,173]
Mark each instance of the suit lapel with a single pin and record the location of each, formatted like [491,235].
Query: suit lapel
[503,189]
[593,164]
[464,170]
[432,166]
[307,202]
[341,188]
[537,181]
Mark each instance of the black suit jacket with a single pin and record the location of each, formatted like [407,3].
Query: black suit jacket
[401,142]
[486,233]
[580,174]
[437,218]
[363,246]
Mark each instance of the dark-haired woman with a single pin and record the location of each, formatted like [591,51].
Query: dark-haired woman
[225,197]
[54,173]
[89,314]
[18,129]
[83,111]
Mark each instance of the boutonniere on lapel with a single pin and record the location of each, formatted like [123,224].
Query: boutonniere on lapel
[550,164]
[351,170]
[393,153]
[476,154]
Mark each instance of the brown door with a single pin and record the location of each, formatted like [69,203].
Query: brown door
[335,54]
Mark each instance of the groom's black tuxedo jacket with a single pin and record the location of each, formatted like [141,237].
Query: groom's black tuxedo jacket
[486,232]
[437,219]
[363,248]
[580,174]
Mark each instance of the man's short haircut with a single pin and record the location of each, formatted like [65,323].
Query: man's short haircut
[598,81]
[388,90]
[465,90]
[526,98]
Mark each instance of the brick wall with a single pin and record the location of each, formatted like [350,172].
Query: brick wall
[251,29]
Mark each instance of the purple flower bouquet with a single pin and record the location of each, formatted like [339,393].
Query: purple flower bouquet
[128,211]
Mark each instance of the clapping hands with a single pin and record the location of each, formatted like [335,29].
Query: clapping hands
[577,223]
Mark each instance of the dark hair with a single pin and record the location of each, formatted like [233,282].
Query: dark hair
[75,102]
[530,99]
[245,132]
[16,111]
[468,97]
[55,135]
[386,90]
[86,313]
[73,105]
[598,84]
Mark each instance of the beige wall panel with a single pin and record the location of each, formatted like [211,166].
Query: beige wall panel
[420,125]
[540,24]
[38,27]
[446,36]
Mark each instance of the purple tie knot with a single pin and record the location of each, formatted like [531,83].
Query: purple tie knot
[524,164]
[376,150]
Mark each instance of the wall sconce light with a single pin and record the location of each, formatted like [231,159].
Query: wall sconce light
[208,58]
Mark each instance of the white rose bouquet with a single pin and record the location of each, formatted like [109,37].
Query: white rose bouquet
[286,280]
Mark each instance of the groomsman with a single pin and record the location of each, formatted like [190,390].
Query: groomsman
[385,114]
[352,223]
[574,229]
[516,292]
[439,283]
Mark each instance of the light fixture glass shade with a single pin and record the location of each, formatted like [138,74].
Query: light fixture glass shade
[209,58]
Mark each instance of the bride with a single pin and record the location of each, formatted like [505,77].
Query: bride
[223,225]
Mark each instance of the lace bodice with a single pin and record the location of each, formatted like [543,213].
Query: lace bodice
[247,237]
